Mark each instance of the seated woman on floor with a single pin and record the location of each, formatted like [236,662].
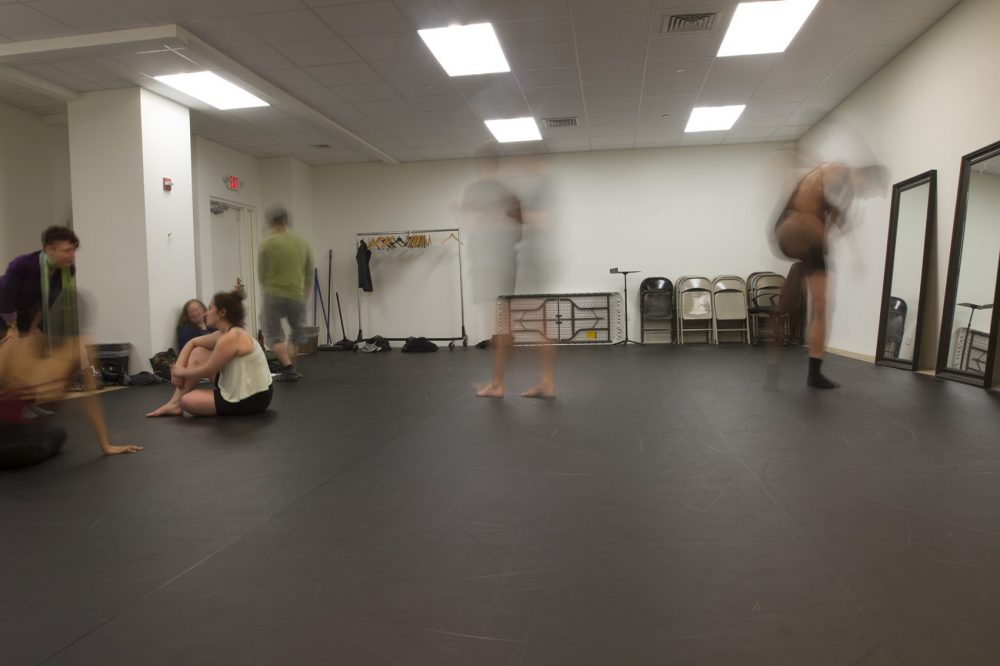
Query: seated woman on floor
[231,356]
[192,323]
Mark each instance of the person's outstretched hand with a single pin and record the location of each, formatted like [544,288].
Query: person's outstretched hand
[114,449]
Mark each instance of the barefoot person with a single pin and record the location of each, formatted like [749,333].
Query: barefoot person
[819,202]
[34,369]
[230,355]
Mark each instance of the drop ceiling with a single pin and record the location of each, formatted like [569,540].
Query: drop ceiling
[352,82]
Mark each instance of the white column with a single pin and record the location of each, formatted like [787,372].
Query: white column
[136,260]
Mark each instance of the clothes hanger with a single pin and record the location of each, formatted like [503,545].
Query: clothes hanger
[451,236]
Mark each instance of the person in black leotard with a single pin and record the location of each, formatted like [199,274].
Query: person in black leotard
[818,203]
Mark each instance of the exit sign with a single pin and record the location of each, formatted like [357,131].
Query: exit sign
[232,183]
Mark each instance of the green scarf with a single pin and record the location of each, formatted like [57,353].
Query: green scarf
[67,324]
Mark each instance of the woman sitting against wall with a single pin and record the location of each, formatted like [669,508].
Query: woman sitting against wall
[191,323]
[231,356]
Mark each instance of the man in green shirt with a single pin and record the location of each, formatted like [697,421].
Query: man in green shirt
[285,266]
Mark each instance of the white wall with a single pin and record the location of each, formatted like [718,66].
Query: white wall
[105,137]
[34,180]
[166,153]
[665,212]
[934,103]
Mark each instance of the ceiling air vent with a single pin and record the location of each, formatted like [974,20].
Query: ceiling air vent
[687,23]
[559,122]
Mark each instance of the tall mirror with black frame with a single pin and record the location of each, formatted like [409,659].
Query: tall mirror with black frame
[911,223]
[967,343]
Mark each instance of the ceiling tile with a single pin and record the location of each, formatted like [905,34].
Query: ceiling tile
[749,135]
[392,46]
[619,105]
[663,87]
[782,95]
[743,65]
[618,118]
[596,27]
[223,33]
[90,16]
[796,78]
[612,130]
[613,90]
[438,102]
[600,74]
[760,122]
[738,89]
[366,92]
[665,140]
[246,7]
[804,60]
[370,18]
[101,70]
[757,109]
[611,52]
[499,86]
[150,64]
[174,11]
[547,32]
[260,58]
[344,74]
[652,109]
[542,57]
[292,79]
[790,132]
[851,11]
[822,37]
[890,33]
[550,95]
[520,10]
[323,52]
[287,27]
[918,9]
[55,74]
[548,78]
[869,57]
[680,68]
[607,6]
[695,45]
[21,22]
[557,110]
[702,138]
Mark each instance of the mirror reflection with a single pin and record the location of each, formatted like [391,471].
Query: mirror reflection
[977,271]
[913,201]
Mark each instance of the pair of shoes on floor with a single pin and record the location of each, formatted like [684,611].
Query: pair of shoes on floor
[288,375]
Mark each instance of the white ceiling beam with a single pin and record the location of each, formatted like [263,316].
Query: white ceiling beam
[35,83]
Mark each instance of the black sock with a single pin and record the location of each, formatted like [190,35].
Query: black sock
[816,378]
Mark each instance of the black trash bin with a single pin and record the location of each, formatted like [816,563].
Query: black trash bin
[112,360]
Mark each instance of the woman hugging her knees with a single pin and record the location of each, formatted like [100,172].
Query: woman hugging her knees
[231,356]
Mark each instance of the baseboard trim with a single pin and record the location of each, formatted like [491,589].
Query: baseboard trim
[849,354]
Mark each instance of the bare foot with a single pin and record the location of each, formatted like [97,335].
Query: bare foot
[169,409]
[546,391]
[490,391]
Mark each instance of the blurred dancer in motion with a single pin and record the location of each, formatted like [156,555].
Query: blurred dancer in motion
[38,368]
[506,239]
[819,203]
[285,266]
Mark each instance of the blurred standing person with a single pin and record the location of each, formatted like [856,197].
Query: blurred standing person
[38,290]
[492,214]
[818,204]
[285,266]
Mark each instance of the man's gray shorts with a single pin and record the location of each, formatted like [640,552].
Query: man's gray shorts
[292,310]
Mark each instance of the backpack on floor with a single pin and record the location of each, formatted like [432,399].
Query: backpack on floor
[161,363]
[414,345]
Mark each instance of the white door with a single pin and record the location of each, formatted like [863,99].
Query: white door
[234,255]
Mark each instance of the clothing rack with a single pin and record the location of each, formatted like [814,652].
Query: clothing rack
[454,233]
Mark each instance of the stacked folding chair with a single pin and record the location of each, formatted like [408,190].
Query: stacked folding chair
[763,302]
[729,295]
[695,313]
[656,307]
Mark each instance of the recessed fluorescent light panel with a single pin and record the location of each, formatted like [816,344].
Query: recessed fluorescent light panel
[212,89]
[713,118]
[464,50]
[764,27]
[514,129]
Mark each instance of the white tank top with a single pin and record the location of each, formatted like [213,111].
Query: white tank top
[245,375]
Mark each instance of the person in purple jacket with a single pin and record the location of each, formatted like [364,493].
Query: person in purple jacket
[27,301]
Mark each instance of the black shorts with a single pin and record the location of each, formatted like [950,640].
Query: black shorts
[255,404]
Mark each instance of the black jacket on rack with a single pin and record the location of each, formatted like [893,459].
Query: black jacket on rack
[363,256]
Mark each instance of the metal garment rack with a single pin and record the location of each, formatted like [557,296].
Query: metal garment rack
[360,236]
